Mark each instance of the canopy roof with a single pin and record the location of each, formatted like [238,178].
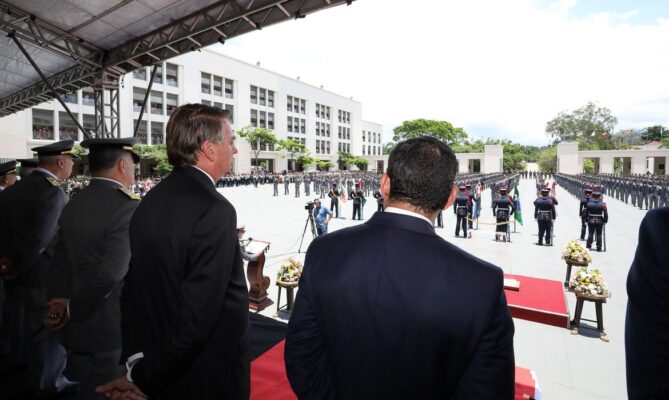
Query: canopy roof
[74,42]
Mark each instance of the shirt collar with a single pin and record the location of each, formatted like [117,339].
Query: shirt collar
[208,176]
[110,180]
[46,171]
[402,211]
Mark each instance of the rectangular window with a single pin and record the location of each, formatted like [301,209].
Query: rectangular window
[70,98]
[141,132]
[318,128]
[137,98]
[88,96]
[218,86]
[219,105]
[172,103]
[206,102]
[363,137]
[303,126]
[263,119]
[327,130]
[363,150]
[159,75]
[67,129]
[262,96]
[89,125]
[290,124]
[339,132]
[42,124]
[231,108]
[156,102]
[229,94]
[327,147]
[254,95]
[172,75]
[339,115]
[327,112]
[318,110]
[348,147]
[157,132]
[139,74]
[296,125]
[270,120]
[270,98]
[254,118]
[318,147]
[303,106]
[205,83]
[289,103]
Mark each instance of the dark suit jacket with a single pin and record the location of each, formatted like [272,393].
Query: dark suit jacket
[185,301]
[91,258]
[647,323]
[33,207]
[398,313]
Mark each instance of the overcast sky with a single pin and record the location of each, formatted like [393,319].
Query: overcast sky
[499,69]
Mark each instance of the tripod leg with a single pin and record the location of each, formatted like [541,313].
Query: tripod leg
[299,249]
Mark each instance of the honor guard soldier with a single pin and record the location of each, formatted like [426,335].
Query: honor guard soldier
[596,214]
[470,210]
[581,210]
[544,214]
[7,174]
[298,182]
[502,208]
[379,200]
[461,209]
[334,200]
[91,258]
[286,182]
[357,196]
[32,208]
[307,185]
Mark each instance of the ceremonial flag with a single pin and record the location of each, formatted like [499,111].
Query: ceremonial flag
[342,193]
[516,205]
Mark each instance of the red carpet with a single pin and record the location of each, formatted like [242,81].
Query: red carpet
[539,300]
[269,380]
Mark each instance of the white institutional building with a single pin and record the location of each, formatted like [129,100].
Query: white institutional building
[324,122]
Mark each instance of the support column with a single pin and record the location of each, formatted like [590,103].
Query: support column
[568,159]
[107,105]
[639,164]
[492,160]
[606,165]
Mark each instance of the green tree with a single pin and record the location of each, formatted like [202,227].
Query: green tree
[156,153]
[306,161]
[359,162]
[590,123]
[293,148]
[442,130]
[345,158]
[324,165]
[655,132]
[548,160]
[258,138]
[388,147]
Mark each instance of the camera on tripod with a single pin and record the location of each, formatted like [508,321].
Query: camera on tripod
[309,206]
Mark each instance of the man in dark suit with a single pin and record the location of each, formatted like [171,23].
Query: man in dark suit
[33,207]
[647,322]
[185,302]
[91,258]
[401,313]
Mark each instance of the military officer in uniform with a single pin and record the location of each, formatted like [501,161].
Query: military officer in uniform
[91,258]
[461,208]
[597,215]
[275,184]
[379,200]
[32,210]
[7,174]
[334,200]
[286,182]
[356,195]
[298,182]
[28,165]
[544,214]
[581,210]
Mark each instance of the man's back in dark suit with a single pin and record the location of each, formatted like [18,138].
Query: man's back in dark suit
[400,313]
[647,322]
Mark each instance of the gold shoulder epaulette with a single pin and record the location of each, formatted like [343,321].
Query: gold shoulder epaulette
[129,193]
[53,181]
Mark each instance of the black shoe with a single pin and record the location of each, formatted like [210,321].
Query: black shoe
[540,244]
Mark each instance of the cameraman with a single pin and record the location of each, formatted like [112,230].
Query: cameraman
[322,217]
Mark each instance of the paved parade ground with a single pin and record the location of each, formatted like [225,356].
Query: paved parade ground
[567,366]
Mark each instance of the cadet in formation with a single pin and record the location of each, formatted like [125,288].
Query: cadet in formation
[581,210]
[461,208]
[502,208]
[597,216]
[545,214]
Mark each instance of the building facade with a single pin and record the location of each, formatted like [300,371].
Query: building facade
[324,122]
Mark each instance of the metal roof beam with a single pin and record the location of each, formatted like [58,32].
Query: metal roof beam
[44,35]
